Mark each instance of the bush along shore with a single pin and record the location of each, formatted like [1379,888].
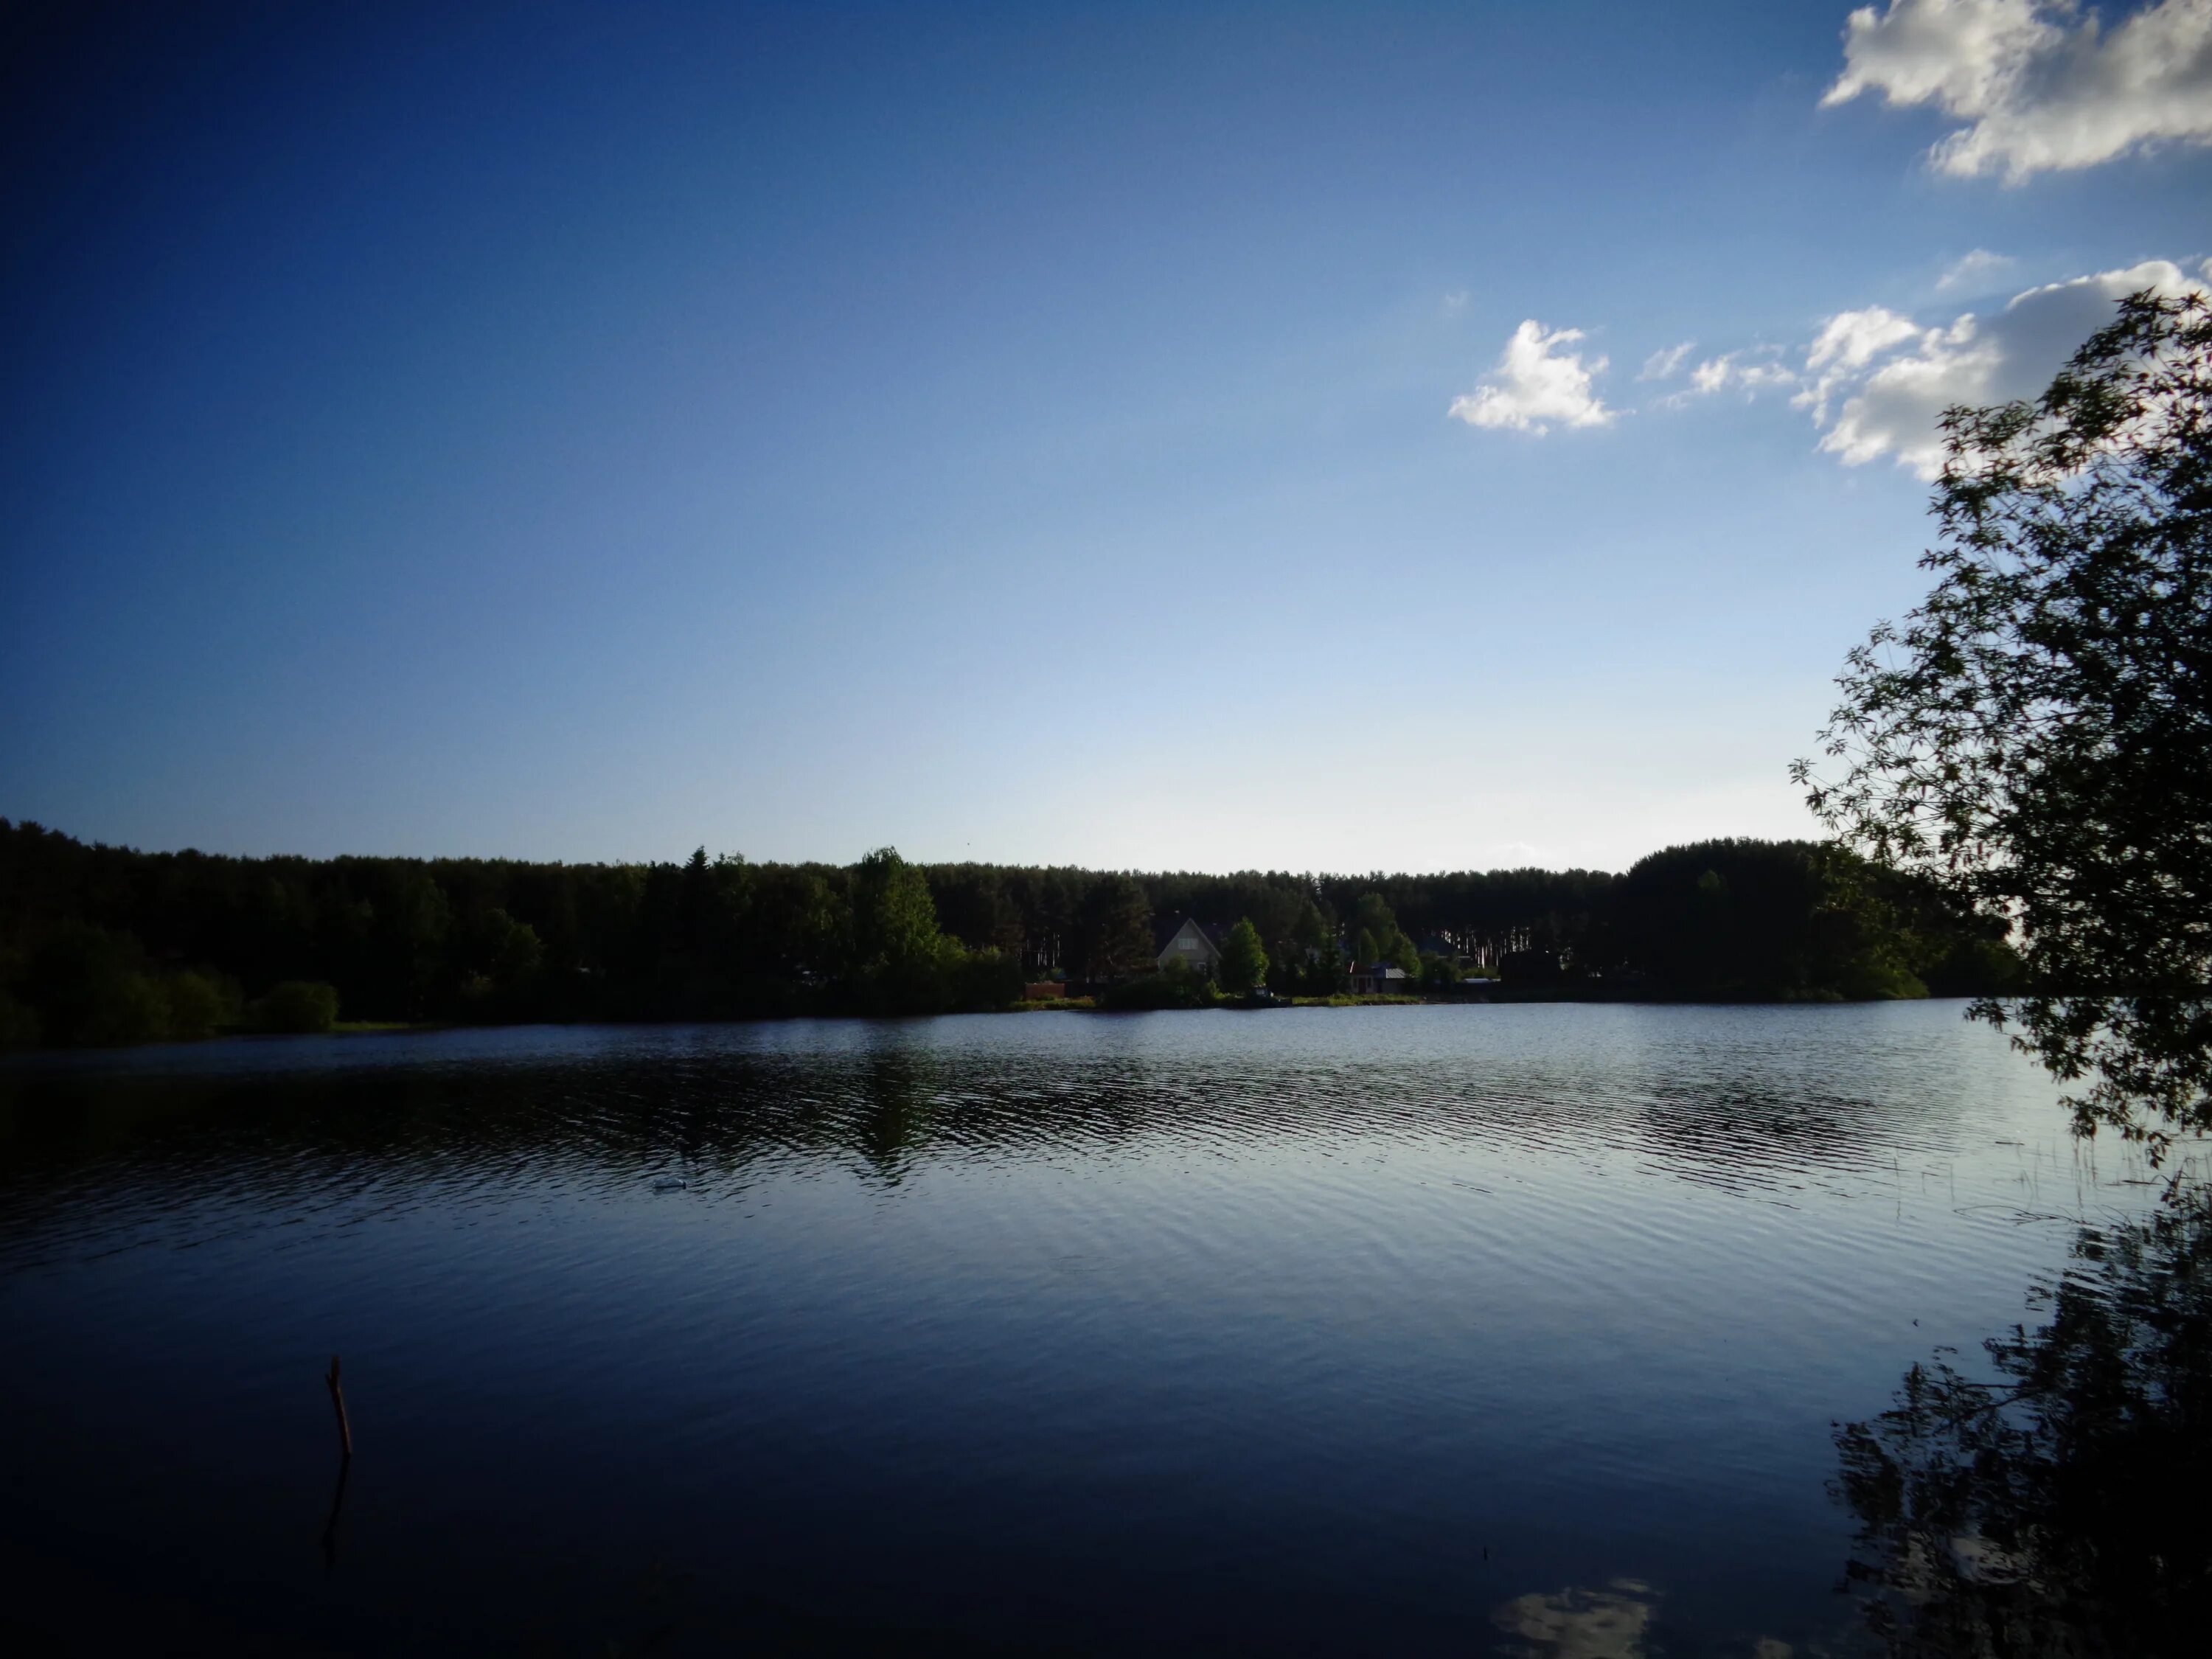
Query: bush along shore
[105,945]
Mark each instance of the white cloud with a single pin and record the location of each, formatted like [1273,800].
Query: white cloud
[1747,372]
[2039,84]
[1661,365]
[1979,266]
[1847,343]
[1536,382]
[1889,380]
[1852,339]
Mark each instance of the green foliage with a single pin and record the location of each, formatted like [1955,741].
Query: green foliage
[1439,973]
[1115,936]
[2033,738]
[296,1006]
[1379,938]
[102,945]
[1378,928]
[894,918]
[1173,986]
[1750,918]
[1321,972]
[198,1004]
[89,987]
[986,979]
[1243,960]
[1400,951]
[510,951]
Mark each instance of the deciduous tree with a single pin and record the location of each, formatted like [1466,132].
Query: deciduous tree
[1244,959]
[2038,734]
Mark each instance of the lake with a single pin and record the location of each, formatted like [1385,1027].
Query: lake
[1515,1329]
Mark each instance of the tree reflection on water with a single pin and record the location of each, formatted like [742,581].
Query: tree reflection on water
[2058,1507]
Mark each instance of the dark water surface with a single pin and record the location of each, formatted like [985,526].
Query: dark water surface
[1410,1330]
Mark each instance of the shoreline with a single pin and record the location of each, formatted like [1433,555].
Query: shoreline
[352,1030]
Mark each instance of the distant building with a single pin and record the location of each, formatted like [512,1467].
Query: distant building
[1186,940]
[1379,979]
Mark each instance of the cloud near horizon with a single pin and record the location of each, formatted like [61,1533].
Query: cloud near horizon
[1537,381]
[2040,85]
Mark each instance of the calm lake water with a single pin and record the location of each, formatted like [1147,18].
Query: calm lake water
[1513,1329]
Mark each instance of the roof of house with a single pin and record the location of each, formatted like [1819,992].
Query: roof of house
[1163,931]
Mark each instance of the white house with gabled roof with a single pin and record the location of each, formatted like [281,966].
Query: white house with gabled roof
[1186,940]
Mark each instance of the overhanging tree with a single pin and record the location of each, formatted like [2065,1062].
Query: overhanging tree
[2038,734]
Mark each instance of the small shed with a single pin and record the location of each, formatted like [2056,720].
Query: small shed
[1379,979]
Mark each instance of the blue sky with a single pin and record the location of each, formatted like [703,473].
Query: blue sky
[1024,432]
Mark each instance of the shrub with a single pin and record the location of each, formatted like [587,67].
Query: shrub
[198,1002]
[1175,987]
[298,1006]
[91,990]
[988,979]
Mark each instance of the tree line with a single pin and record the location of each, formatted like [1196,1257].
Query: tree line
[103,944]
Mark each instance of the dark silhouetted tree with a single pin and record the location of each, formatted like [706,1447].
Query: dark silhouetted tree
[1116,928]
[2037,736]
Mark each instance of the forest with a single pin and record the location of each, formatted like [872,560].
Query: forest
[103,945]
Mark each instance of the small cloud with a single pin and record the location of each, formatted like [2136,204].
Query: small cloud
[1537,381]
[2040,85]
[1456,302]
[1981,266]
[1661,365]
[1747,372]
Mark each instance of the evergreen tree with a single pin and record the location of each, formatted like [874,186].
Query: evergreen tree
[1116,928]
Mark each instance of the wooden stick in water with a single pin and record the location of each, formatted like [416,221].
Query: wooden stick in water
[338,1400]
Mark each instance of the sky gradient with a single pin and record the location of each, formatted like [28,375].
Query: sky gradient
[1218,437]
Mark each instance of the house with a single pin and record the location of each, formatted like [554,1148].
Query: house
[1379,979]
[1185,939]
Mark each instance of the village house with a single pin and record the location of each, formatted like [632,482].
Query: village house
[1190,942]
[1379,979]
